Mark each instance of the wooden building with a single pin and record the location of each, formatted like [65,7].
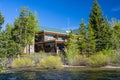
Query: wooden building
[51,40]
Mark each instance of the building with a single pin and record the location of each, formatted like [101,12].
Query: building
[51,40]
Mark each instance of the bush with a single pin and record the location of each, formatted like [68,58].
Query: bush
[117,59]
[71,58]
[79,60]
[2,70]
[98,60]
[51,62]
[111,54]
[36,57]
[22,62]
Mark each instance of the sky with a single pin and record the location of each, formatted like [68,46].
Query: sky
[60,14]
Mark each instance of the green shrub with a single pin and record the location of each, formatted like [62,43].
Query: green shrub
[51,62]
[22,62]
[71,57]
[117,59]
[98,60]
[1,70]
[79,60]
[111,54]
[114,57]
[37,56]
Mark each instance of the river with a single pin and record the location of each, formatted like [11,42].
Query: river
[64,74]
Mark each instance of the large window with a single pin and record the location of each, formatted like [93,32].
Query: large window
[49,37]
[61,38]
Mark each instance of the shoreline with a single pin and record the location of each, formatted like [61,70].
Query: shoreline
[64,67]
[107,66]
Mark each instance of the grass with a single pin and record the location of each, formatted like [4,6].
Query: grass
[78,60]
[23,62]
[51,62]
[45,60]
[98,60]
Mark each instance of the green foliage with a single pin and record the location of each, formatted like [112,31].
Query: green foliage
[105,40]
[82,29]
[1,70]
[22,62]
[8,48]
[98,60]
[115,34]
[109,52]
[1,20]
[36,56]
[91,42]
[72,47]
[96,18]
[82,42]
[51,62]
[100,27]
[79,60]
[25,27]
[116,58]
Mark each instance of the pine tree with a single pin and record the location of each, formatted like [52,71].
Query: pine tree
[1,20]
[13,49]
[99,26]
[96,18]
[91,42]
[2,34]
[25,27]
[116,35]
[31,29]
[3,42]
[72,47]
[82,37]
[20,27]
[107,35]
[8,48]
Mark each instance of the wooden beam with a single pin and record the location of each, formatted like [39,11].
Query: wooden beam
[43,45]
[54,33]
[43,36]
[55,46]
[57,36]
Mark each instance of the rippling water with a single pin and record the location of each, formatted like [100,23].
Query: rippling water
[65,74]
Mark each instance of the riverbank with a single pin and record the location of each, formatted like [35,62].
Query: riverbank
[65,68]
[108,66]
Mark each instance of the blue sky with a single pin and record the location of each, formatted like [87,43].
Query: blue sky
[61,14]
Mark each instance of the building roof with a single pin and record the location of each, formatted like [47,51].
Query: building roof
[52,30]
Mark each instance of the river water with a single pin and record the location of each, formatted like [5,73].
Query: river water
[64,74]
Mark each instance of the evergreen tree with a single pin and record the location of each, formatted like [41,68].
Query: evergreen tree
[2,34]
[3,42]
[25,27]
[96,18]
[72,47]
[91,42]
[107,35]
[116,35]
[1,20]
[100,27]
[13,49]
[82,37]
[8,48]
